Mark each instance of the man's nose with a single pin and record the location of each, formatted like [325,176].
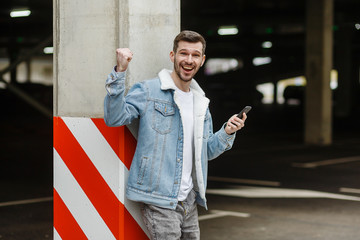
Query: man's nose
[189,58]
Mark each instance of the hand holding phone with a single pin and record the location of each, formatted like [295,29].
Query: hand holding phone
[245,110]
[233,125]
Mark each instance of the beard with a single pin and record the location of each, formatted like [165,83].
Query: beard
[183,77]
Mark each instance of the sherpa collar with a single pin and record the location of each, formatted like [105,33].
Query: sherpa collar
[168,83]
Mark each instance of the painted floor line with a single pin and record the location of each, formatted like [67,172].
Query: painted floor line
[265,192]
[218,213]
[327,162]
[245,181]
[349,190]
[27,201]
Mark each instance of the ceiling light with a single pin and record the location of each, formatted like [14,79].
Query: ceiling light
[228,30]
[357,26]
[266,44]
[222,65]
[261,61]
[49,50]
[20,13]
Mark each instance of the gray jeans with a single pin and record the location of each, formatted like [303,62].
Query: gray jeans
[168,224]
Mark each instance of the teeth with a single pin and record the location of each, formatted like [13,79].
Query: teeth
[187,68]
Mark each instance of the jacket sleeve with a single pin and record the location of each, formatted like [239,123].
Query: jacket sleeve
[218,142]
[120,109]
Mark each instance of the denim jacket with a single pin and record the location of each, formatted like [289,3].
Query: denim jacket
[155,172]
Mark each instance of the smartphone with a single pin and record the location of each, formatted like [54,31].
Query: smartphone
[245,110]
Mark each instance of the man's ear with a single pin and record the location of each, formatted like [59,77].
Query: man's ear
[172,56]
[203,61]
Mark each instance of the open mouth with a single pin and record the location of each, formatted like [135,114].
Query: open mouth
[187,68]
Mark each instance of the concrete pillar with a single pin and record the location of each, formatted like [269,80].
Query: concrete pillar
[319,44]
[86,35]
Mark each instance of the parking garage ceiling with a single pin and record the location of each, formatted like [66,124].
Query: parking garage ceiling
[281,22]
[22,33]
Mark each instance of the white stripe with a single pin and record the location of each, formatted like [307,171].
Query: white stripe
[99,151]
[77,202]
[263,192]
[327,162]
[245,181]
[350,190]
[110,167]
[27,201]
[56,235]
[219,213]
[211,216]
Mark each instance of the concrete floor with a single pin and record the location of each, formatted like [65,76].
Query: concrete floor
[265,150]
[329,210]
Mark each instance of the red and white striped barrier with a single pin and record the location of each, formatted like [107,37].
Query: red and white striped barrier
[91,165]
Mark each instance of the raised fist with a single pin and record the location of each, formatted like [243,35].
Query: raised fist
[123,57]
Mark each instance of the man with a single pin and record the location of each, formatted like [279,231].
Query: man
[175,138]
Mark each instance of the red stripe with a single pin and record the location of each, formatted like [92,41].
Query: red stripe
[132,229]
[111,134]
[89,179]
[123,143]
[127,146]
[120,139]
[64,222]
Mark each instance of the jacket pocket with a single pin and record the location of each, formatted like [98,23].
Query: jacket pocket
[163,117]
[142,171]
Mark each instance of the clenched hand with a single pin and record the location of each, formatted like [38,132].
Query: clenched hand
[123,58]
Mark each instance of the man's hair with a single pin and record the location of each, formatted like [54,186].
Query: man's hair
[189,36]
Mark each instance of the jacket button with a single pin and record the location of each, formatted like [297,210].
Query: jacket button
[178,159]
[176,182]
[171,204]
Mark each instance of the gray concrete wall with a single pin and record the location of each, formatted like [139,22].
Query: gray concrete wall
[86,34]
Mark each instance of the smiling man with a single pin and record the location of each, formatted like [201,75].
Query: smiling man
[188,57]
[168,173]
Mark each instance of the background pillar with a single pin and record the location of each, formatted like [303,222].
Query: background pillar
[319,45]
